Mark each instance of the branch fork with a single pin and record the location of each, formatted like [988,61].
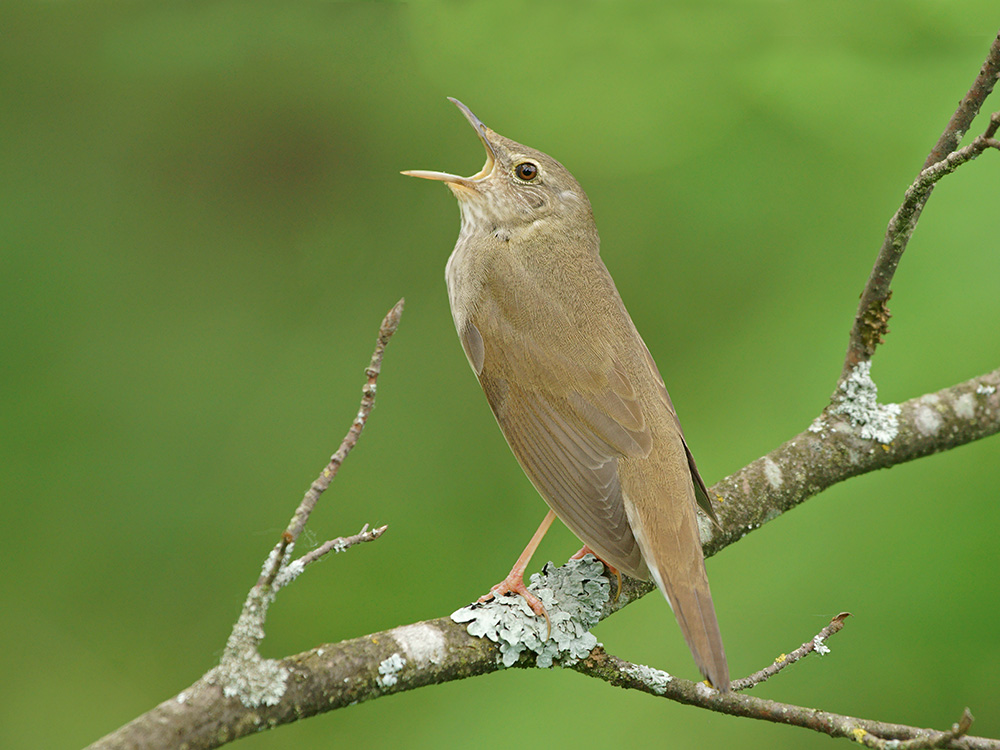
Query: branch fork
[242,672]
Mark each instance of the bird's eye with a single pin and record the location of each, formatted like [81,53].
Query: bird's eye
[526,171]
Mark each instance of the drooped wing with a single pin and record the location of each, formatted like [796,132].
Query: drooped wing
[568,419]
[700,490]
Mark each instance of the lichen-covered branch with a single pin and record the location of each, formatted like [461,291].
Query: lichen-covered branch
[871,320]
[242,672]
[319,680]
[435,651]
[831,450]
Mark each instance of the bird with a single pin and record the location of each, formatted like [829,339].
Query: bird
[572,385]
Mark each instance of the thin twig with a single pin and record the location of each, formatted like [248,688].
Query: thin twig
[875,734]
[385,331]
[968,108]
[872,318]
[305,509]
[817,643]
[242,673]
[341,543]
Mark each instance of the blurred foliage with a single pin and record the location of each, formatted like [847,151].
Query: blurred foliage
[202,225]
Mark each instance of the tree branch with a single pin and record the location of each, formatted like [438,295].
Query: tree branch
[874,734]
[333,676]
[871,321]
[832,450]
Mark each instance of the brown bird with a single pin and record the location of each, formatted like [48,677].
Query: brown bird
[572,385]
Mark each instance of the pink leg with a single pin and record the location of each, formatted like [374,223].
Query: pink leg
[514,582]
[585,550]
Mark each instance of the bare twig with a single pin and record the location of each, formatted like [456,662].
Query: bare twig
[342,543]
[969,107]
[816,644]
[302,513]
[875,734]
[242,672]
[927,738]
[871,320]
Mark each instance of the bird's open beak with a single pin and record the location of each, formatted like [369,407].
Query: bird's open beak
[453,179]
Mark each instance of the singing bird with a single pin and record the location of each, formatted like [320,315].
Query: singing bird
[572,385]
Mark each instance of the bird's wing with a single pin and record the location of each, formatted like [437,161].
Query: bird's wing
[700,490]
[568,439]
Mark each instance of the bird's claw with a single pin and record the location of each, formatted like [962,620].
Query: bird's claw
[514,584]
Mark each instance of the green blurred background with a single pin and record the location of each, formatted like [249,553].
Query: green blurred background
[203,223]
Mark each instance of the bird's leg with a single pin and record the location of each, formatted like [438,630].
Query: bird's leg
[586,550]
[514,582]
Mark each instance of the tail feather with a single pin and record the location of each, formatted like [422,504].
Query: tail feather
[664,522]
[695,613]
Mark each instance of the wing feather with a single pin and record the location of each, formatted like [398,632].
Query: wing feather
[568,439]
[572,469]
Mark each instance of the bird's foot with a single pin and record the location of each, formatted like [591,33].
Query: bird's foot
[514,584]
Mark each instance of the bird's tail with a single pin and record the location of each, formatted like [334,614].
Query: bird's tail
[662,514]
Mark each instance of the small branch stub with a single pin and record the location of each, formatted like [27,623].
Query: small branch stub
[817,644]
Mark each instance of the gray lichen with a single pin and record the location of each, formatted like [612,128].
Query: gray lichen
[573,595]
[819,646]
[242,672]
[423,644]
[254,680]
[655,679]
[772,472]
[858,401]
[389,668]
